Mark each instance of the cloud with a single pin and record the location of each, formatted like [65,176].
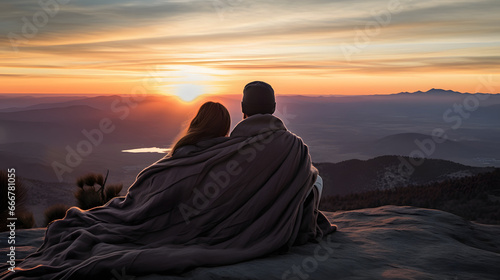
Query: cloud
[302,37]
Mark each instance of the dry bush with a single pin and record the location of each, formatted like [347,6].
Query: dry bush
[92,191]
[55,212]
[24,218]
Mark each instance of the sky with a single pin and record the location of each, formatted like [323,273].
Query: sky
[188,48]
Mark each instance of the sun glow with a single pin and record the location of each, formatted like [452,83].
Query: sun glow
[188,82]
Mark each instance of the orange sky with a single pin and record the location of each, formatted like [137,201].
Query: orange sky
[189,48]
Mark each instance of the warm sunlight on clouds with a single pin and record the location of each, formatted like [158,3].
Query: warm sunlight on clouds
[187,82]
[216,46]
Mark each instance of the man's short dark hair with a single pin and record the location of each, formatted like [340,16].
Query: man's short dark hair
[258,98]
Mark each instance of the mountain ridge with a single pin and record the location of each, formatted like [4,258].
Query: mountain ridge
[384,172]
[438,91]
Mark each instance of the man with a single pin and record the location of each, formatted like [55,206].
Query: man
[258,106]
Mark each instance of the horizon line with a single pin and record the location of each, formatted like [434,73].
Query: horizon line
[227,94]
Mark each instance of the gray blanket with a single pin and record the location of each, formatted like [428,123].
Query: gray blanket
[224,201]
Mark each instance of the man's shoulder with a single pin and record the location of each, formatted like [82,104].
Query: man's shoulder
[258,124]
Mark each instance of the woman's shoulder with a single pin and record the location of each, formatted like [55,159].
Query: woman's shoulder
[199,147]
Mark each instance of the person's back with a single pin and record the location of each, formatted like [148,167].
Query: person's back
[258,106]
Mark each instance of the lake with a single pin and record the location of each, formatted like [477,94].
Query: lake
[148,150]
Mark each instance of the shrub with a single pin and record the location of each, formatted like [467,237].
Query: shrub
[55,212]
[88,197]
[92,191]
[24,218]
[112,191]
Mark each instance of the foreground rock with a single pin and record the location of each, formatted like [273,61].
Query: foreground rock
[388,242]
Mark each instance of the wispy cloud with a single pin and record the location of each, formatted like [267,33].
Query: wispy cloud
[273,40]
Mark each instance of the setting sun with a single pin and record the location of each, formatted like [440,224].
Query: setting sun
[187,82]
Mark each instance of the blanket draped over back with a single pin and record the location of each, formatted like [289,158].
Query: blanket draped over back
[223,201]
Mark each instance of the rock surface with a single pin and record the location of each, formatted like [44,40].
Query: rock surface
[389,242]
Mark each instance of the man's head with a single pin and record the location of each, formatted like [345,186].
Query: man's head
[258,98]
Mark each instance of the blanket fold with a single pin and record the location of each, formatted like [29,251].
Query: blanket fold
[223,201]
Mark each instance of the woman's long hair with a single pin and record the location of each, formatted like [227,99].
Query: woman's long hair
[213,120]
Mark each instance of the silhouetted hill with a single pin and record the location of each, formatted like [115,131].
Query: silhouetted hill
[354,176]
[405,143]
[476,198]
[59,114]
[436,91]
[97,102]
[16,102]
[463,146]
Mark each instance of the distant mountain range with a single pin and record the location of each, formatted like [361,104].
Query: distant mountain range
[437,91]
[387,172]
[40,130]
[451,149]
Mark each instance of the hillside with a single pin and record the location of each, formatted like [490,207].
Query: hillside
[475,198]
[353,176]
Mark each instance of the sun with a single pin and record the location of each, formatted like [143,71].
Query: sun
[189,92]
[188,82]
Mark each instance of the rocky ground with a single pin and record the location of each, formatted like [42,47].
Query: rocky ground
[390,242]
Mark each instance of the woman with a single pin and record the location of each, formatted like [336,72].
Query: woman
[67,251]
[212,121]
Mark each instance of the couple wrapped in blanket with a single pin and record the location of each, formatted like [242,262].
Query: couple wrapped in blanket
[215,199]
